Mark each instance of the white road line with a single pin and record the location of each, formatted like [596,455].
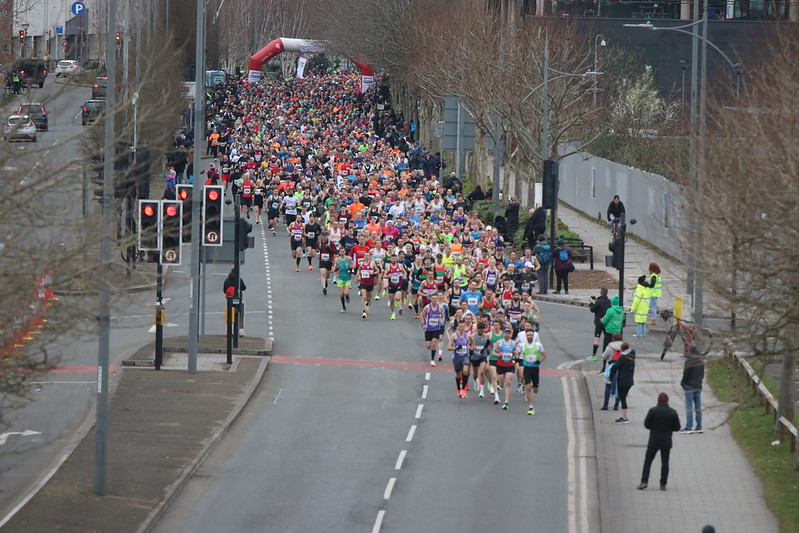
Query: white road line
[378,521]
[278,396]
[575,452]
[61,382]
[411,433]
[571,504]
[389,488]
[424,392]
[400,460]
[427,376]
[419,411]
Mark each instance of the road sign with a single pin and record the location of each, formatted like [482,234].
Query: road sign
[78,8]
[449,128]
[59,30]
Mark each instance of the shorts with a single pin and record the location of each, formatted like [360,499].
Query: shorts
[342,283]
[404,286]
[327,265]
[459,362]
[295,245]
[430,335]
[272,214]
[414,290]
[505,369]
[531,375]
[392,289]
[290,218]
[312,243]
[492,362]
[259,201]
[478,361]
[246,201]
[369,288]
[599,329]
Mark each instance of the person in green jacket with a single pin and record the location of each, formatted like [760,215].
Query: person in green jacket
[612,321]
[640,307]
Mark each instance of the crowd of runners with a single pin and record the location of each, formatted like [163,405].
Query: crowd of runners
[342,177]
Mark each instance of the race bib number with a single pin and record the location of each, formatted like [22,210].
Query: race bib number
[311,234]
[395,279]
[507,357]
[472,301]
[325,257]
[246,190]
[366,274]
[529,355]
[433,322]
[461,351]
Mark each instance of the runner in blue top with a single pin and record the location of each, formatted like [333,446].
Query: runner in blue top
[472,297]
[460,344]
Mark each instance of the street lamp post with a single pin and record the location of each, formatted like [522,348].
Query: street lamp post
[695,281]
[596,64]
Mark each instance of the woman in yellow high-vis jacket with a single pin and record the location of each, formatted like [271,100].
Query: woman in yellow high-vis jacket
[655,290]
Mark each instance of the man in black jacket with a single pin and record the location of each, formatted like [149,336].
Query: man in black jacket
[661,421]
[599,306]
[536,225]
[692,375]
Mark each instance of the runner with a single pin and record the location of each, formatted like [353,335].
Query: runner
[481,346]
[311,233]
[327,254]
[505,350]
[461,345]
[258,199]
[246,188]
[296,231]
[396,275]
[343,278]
[273,209]
[532,354]
[367,272]
[496,335]
[433,318]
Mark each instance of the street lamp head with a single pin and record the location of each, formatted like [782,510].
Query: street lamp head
[684,63]
[647,25]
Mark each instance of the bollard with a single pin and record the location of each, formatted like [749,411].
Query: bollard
[159,335]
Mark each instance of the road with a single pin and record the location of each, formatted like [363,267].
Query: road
[351,430]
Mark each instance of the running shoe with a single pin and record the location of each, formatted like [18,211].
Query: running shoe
[530,410]
[297,269]
[464,395]
[363,315]
[410,306]
[491,388]
[324,291]
[600,373]
[466,387]
[591,358]
[274,232]
[440,357]
[482,393]
[257,221]
[505,406]
[343,311]
[460,394]
[520,389]
[416,317]
[310,267]
[622,420]
[496,399]
[432,363]
[393,316]
[399,310]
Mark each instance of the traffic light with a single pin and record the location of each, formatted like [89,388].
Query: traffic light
[170,232]
[21,35]
[245,228]
[149,215]
[550,185]
[616,247]
[184,196]
[212,215]
[118,36]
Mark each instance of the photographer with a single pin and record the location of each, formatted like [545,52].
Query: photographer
[598,306]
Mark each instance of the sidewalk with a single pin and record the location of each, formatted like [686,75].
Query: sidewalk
[710,481]
[161,425]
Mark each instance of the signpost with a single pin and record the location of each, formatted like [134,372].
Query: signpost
[77,8]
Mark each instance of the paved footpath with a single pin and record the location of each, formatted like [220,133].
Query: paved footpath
[710,481]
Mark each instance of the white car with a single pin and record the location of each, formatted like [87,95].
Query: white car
[19,127]
[67,67]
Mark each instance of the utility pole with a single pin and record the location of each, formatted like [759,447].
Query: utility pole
[104,313]
[197,191]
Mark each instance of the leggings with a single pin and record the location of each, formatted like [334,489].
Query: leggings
[623,390]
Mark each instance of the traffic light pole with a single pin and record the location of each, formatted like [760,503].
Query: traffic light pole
[622,238]
[236,267]
[159,316]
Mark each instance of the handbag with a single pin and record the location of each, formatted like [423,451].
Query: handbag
[570,268]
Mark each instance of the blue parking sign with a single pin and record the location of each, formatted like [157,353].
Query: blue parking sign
[59,30]
[78,8]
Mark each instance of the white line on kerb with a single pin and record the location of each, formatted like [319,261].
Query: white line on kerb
[278,396]
[411,432]
[378,521]
[424,392]
[419,411]
[389,488]
[400,459]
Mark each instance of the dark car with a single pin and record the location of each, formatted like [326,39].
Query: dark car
[91,110]
[32,70]
[37,112]
[99,88]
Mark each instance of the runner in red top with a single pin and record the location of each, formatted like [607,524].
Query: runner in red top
[367,273]
[296,232]
[327,254]
[247,188]
[360,250]
[396,275]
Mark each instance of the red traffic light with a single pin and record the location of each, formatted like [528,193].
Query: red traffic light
[171,211]
[148,210]
[213,195]
[183,194]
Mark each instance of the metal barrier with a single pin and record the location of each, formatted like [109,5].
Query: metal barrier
[578,243]
[765,398]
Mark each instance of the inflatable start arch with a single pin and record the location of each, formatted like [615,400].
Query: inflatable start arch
[284,44]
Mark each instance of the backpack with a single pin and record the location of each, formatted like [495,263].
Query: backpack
[545,254]
[563,255]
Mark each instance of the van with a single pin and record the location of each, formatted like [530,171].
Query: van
[32,70]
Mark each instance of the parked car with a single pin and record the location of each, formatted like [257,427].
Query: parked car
[33,71]
[67,67]
[37,112]
[19,127]
[99,88]
[91,110]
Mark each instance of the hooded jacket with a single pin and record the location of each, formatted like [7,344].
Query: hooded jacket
[613,317]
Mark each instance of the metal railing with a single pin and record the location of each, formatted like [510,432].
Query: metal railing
[578,243]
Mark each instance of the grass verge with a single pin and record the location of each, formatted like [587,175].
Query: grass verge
[754,432]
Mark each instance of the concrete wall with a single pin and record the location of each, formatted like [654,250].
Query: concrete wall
[589,183]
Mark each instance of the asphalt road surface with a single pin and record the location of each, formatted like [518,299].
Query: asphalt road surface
[352,430]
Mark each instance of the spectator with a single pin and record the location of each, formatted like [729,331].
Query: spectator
[692,375]
[661,421]
[543,252]
[640,306]
[624,371]
[536,225]
[599,306]
[563,265]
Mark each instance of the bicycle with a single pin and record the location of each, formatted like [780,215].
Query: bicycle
[686,331]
